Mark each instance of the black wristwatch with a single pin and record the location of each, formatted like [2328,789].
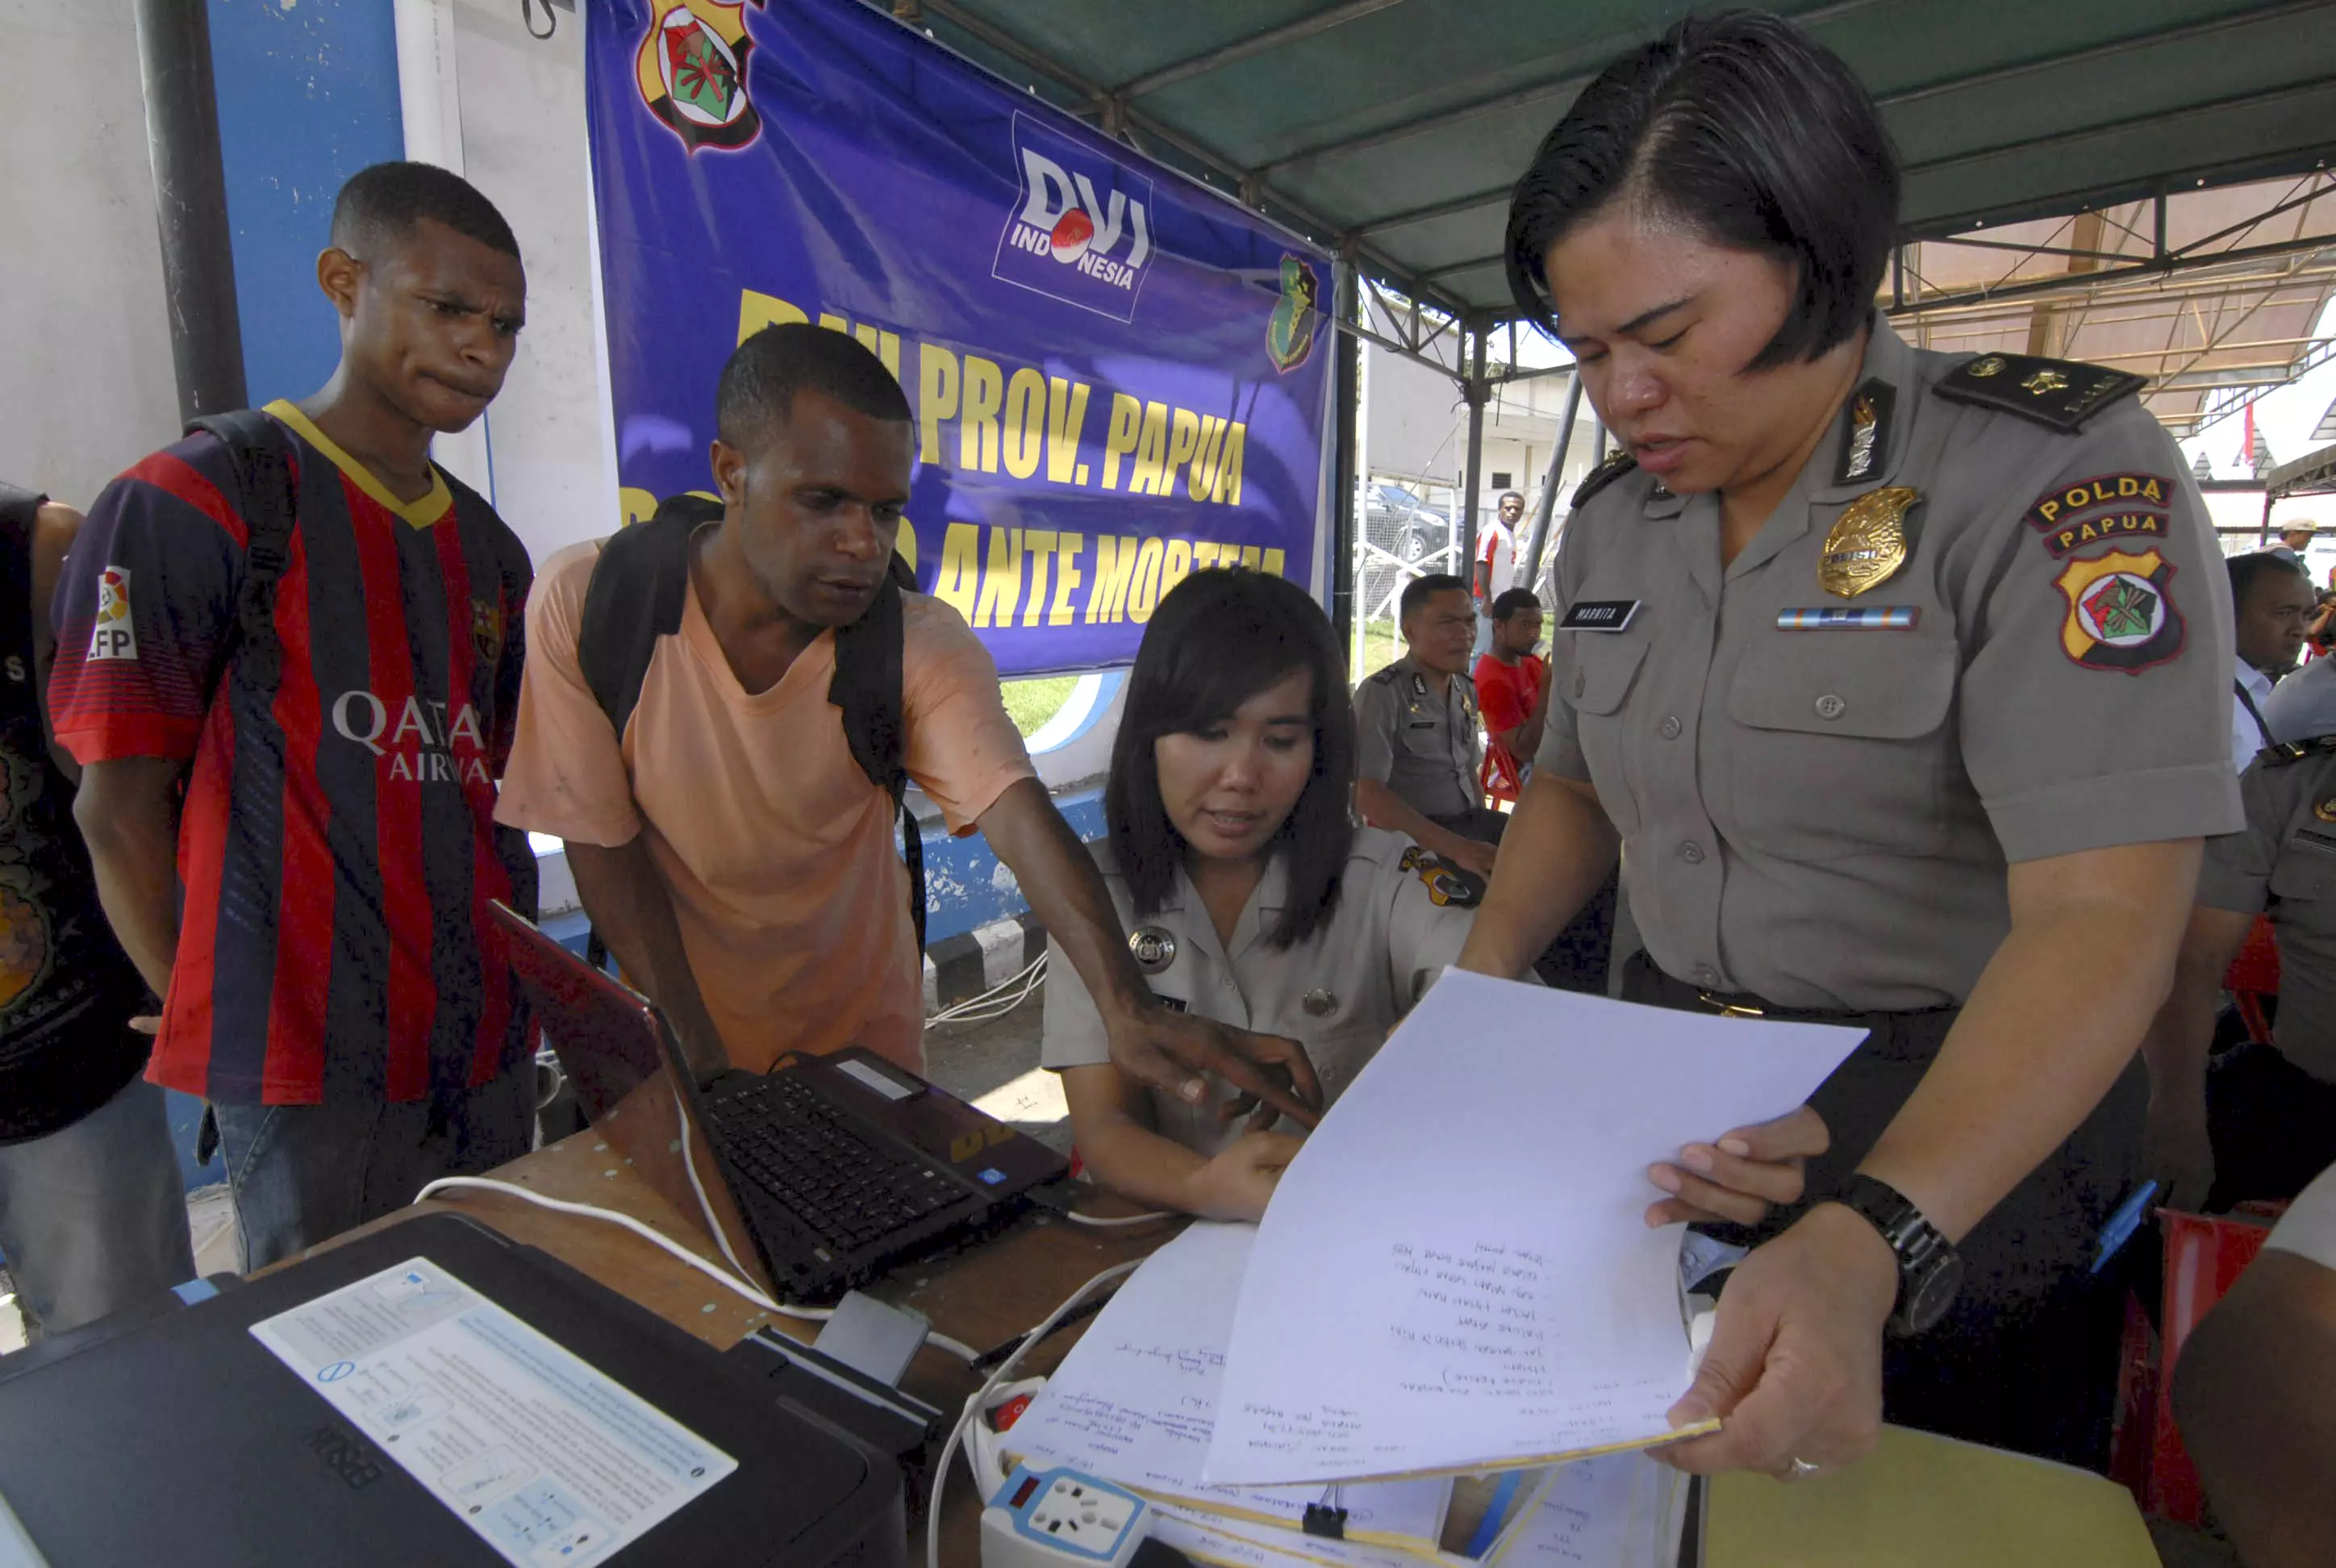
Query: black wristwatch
[1930,1269]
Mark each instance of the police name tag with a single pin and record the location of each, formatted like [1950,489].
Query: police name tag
[1599,615]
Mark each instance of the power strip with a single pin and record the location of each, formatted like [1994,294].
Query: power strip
[1061,1519]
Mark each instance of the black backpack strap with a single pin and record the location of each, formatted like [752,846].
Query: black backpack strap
[19,508]
[261,460]
[20,519]
[638,588]
[867,687]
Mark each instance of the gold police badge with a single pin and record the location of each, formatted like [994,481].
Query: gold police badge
[1868,543]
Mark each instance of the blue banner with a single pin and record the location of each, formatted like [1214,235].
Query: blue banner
[1119,377]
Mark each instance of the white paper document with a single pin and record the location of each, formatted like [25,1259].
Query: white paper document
[1214,1539]
[1454,1273]
[1615,1511]
[1135,1400]
[549,1461]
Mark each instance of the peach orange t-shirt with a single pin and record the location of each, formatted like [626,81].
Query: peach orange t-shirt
[777,852]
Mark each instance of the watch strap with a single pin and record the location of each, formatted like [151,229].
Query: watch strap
[1919,1247]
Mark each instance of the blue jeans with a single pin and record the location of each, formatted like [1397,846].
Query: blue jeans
[299,1174]
[93,1216]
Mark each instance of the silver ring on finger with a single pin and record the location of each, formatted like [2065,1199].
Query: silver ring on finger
[1800,1470]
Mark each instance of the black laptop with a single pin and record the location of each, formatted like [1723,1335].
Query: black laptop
[825,1171]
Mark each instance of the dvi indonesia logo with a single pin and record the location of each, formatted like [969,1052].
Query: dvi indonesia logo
[1081,233]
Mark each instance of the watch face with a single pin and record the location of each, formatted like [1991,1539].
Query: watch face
[1929,1298]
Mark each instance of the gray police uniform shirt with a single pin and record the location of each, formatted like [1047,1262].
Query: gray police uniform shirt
[1423,746]
[1401,917]
[1818,794]
[2287,850]
[2305,704]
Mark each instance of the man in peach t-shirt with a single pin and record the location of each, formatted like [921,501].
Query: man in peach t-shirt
[731,851]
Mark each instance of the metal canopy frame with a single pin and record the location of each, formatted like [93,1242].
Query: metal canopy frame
[2315,473]
[2312,474]
[2275,117]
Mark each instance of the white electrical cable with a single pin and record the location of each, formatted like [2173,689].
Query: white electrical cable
[968,1013]
[957,1347]
[993,1003]
[1000,988]
[974,1406]
[591,1211]
[705,1204]
[1100,1223]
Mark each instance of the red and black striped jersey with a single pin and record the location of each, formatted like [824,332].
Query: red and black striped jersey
[338,843]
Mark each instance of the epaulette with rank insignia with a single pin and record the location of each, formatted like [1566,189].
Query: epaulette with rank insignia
[2061,392]
[1605,474]
[2279,754]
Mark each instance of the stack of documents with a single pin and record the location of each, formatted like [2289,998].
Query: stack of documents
[1454,1278]
[1136,1401]
[1456,1273]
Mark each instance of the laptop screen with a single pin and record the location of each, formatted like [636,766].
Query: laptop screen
[617,1052]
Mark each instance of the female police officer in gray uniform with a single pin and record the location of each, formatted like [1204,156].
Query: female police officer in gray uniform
[1900,680]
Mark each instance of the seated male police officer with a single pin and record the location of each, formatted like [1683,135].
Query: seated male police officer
[726,841]
[1417,747]
[1418,760]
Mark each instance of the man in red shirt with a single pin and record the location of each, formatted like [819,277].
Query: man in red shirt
[1511,693]
[289,802]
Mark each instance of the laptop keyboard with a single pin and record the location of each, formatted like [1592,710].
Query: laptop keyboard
[849,1192]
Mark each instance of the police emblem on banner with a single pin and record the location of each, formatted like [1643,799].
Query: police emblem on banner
[692,70]
[2121,615]
[1290,334]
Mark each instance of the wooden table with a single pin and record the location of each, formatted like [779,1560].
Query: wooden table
[982,1296]
[1008,1284]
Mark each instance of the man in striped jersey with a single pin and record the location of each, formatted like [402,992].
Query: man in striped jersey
[290,802]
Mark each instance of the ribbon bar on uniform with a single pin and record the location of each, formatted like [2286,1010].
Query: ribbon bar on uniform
[1865,618]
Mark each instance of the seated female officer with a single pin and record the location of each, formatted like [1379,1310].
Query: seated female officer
[1916,725]
[1251,897]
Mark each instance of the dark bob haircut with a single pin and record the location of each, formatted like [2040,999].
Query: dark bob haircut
[1422,589]
[756,393]
[1743,128]
[384,202]
[1219,638]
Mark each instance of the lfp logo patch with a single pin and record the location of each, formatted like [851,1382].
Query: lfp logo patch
[115,635]
[1081,233]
